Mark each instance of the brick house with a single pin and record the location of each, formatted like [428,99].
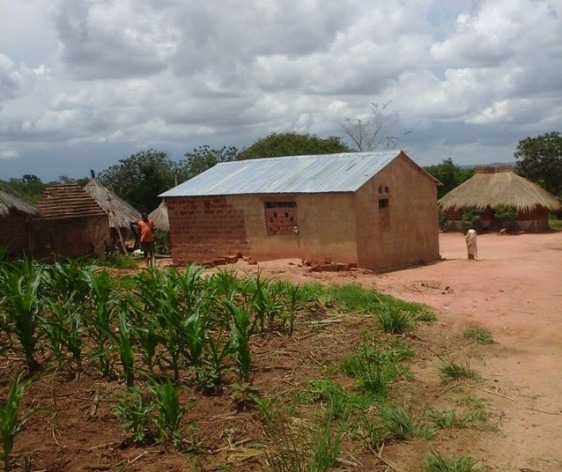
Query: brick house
[376,209]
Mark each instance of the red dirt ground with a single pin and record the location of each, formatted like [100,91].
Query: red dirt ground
[513,289]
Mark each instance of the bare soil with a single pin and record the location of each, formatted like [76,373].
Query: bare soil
[513,289]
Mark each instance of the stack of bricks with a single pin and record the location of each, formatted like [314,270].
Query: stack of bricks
[328,265]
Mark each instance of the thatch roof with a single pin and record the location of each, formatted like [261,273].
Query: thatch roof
[160,216]
[67,201]
[494,186]
[120,213]
[11,200]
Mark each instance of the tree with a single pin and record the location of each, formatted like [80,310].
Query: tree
[203,158]
[449,174]
[140,178]
[293,144]
[540,160]
[30,186]
[374,133]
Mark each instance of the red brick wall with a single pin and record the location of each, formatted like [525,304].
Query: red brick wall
[203,228]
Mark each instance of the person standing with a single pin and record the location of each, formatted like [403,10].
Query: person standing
[145,232]
[471,245]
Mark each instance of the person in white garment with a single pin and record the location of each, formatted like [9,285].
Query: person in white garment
[471,245]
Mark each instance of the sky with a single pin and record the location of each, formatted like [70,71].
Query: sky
[85,83]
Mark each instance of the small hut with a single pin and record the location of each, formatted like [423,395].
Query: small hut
[15,220]
[71,224]
[119,212]
[160,216]
[491,187]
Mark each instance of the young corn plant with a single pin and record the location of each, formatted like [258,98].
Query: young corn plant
[63,328]
[11,419]
[170,413]
[145,333]
[126,355]
[241,331]
[217,349]
[23,306]
[102,319]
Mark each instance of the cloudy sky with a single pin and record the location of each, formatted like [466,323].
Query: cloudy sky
[84,83]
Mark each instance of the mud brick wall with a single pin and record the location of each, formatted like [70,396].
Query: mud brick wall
[16,232]
[204,228]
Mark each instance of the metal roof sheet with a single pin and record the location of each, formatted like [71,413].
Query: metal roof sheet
[292,174]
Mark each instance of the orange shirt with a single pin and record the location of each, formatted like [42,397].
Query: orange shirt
[145,231]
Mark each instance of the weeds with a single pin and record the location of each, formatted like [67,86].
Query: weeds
[437,463]
[480,335]
[450,370]
[134,409]
[394,321]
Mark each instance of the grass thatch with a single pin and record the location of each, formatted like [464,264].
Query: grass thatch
[160,216]
[10,200]
[490,187]
[120,213]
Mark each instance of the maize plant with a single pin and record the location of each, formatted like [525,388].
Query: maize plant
[23,306]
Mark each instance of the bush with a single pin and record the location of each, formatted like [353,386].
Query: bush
[507,214]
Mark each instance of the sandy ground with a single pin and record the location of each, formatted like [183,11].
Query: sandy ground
[514,289]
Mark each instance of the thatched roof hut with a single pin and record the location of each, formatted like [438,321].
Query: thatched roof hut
[15,219]
[10,200]
[120,213]
[160,216]
[490,187]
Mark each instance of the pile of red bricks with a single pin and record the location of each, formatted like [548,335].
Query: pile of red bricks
[328,265]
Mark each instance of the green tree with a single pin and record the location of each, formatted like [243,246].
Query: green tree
[203,158]
[540,160]
[293,144]
[30,186]
[141,177]
[449,174]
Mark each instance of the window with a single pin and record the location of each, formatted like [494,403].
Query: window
[383,202]
[281,218]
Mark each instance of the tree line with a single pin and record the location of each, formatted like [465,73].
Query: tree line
[141,177]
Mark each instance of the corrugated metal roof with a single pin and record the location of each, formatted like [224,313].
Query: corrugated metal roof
[292,174]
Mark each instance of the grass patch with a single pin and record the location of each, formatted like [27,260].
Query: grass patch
[453,371]
[394,321]
[480,335]
[437,463]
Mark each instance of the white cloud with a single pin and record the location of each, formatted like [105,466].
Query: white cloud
[176,74]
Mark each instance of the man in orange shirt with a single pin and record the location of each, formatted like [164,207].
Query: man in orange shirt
[144,231]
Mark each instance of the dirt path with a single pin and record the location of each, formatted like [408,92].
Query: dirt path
[514,290]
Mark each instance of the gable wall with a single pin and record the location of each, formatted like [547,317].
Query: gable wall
[407,231]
